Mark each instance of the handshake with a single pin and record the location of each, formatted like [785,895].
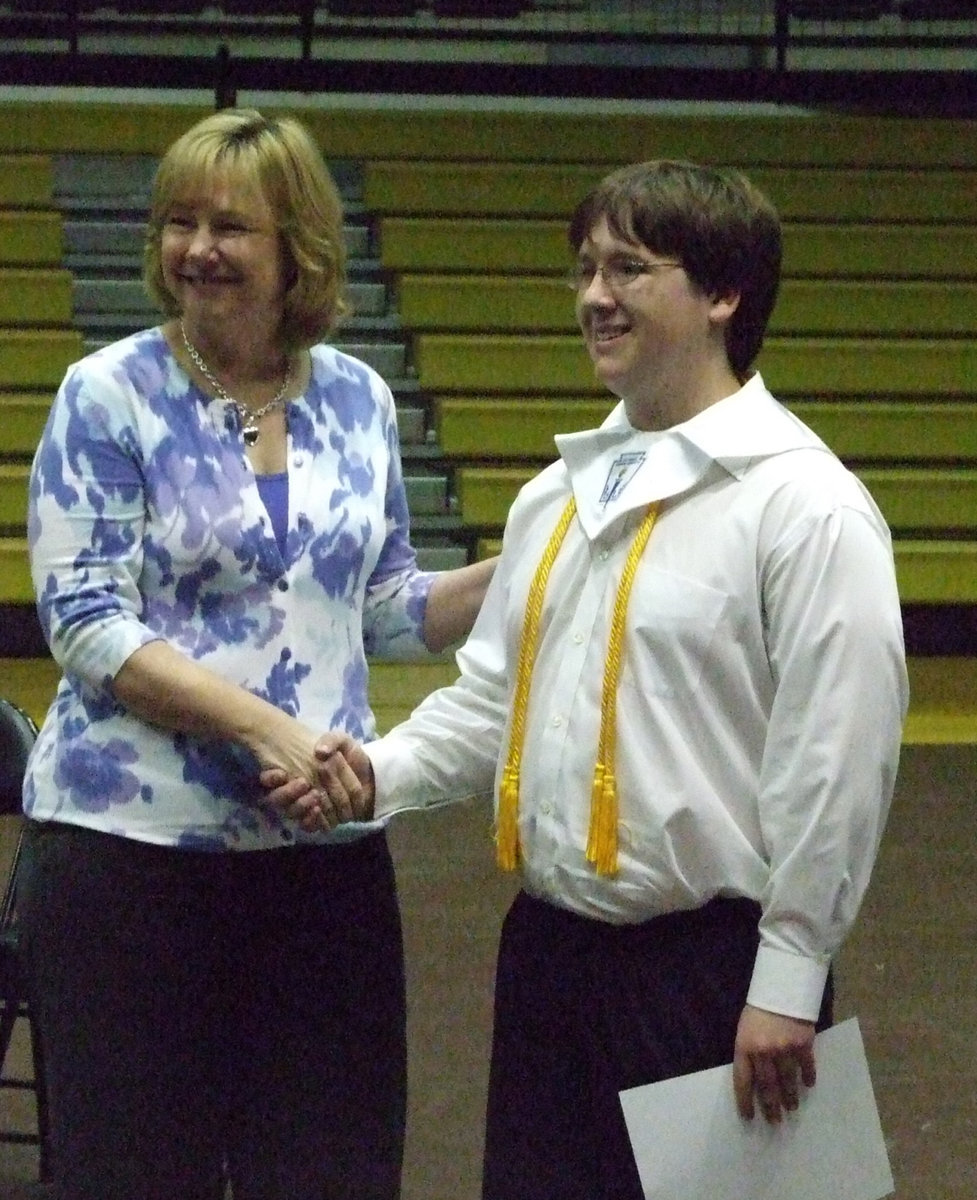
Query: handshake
[343,789]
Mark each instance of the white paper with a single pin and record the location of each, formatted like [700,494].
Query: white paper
[690,1143]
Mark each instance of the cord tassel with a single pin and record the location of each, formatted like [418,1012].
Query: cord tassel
[507,832]
[602,838]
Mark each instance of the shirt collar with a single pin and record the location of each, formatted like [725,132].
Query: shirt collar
[617,468]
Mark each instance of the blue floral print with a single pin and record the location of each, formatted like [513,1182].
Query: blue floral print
[146,522]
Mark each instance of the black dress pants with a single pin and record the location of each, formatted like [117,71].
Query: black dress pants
[583,1010]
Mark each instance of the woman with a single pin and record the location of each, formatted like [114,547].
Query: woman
[219,535]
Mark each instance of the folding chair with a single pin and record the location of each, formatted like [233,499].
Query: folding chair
[17,735]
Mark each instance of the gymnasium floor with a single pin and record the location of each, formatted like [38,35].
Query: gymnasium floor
[907,972]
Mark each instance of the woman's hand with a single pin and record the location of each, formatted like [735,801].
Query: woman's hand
[343,789]
[166,688]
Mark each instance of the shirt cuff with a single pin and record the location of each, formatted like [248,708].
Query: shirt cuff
[394,772]
[788,984]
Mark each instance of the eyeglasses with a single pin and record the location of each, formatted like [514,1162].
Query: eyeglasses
[617,273]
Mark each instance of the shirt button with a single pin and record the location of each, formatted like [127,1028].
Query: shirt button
[577,638]
[282,585]
[557,722]
[546,808]
[603,555]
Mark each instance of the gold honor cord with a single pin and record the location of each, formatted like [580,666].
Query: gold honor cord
[507,837]
[602,838]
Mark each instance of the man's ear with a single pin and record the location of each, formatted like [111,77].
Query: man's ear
[723,307]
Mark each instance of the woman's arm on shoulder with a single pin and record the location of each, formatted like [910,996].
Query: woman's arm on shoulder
[454,601]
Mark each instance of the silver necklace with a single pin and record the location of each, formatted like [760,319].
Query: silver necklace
[248,417]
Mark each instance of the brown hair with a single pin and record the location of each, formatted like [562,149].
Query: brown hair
[722,229]
[280,156]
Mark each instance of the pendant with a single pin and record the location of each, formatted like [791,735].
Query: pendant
[250,434]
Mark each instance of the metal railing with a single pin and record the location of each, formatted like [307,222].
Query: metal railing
[858,52]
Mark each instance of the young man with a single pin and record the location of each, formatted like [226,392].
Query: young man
[686,687]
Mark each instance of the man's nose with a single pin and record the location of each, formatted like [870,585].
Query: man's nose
[597,292]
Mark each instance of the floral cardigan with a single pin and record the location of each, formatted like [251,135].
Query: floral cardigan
[145,522]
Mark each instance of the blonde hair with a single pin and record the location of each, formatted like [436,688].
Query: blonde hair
[280,157]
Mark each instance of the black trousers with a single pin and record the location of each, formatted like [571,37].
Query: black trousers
[583,1010]
[211,1015]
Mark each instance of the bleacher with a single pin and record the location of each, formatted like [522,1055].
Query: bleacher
[457,243]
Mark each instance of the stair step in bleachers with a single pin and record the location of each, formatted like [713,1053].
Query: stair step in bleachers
[943,691]
[933,575]
[440,554]
[108,308]
[426,134]
[117,244]
[114,244]
[931,569]
[23,414]
[389,358]
[13,496]
[118,182]
[427,493]
[15,571]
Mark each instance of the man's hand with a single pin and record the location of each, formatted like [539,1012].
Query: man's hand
[773,1058]
[344,790]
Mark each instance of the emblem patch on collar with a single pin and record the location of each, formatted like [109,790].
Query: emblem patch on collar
[622,471]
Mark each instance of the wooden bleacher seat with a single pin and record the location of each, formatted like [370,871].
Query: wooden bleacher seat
[873,341]
[520,189]
[13,495]
[498,303]
[36,357]
[911,499]
[34,297]
[23,414]
[30,238]
[25,181]
[522,427]
[812,249]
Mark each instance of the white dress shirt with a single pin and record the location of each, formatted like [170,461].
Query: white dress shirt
[762,691]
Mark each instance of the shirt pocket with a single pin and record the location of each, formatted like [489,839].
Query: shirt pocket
[673,625]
